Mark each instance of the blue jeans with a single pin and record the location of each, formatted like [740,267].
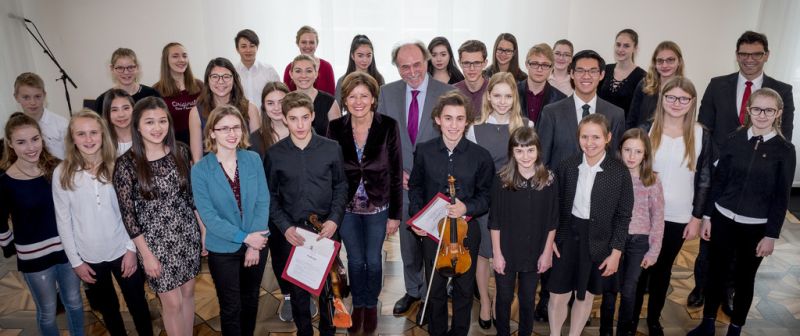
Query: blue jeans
[43,284]
[363,237]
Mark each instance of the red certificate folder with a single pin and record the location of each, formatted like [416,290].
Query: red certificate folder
[314,289]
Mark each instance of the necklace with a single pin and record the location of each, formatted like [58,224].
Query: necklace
[35,175]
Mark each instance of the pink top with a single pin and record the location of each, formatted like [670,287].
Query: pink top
[648,215]
[324,82]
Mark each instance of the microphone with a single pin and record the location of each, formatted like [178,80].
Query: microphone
[15,16]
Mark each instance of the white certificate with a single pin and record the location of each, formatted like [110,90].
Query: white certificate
[428,218]
[308,265]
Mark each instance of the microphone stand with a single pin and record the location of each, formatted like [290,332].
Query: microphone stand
[46,49]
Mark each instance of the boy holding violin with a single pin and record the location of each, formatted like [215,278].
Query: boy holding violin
[305,176]
[451,154]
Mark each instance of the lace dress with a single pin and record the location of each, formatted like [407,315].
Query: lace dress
[167,221]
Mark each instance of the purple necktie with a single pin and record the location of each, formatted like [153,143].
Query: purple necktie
[413,117]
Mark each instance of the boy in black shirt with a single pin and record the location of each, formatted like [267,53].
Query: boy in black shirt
[473,169]
[305,175]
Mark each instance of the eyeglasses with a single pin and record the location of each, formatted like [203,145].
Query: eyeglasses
[229,129]
[668,61]
[122,69]
[594,72]
[756,111]
[682,100]
[224,78]
[564,55]
[472,65]
[505,51]
[539,66]
[756,55]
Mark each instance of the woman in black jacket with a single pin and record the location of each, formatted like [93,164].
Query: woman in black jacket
[373,164]
[748,202]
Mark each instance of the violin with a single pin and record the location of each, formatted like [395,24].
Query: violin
[453,258]
[337,280]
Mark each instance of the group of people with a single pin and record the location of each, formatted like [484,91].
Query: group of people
[581,176]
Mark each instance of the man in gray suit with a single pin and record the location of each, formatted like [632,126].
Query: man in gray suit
[410,102]
[558,124]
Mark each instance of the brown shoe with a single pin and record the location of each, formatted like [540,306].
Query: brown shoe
[358,319]
[370,320]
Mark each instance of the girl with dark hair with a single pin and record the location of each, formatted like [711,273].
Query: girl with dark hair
[222,87]
[125,72]
[749,197]
[621,77]
[178,86]
[273,127]
[26,196]
[361,58]
[644,233]
[506,58]
[304,75]
[442,65]
[117,109]
[155,199]
[523,217]
[90,224]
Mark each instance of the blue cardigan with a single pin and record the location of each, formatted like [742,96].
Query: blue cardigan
[226,227]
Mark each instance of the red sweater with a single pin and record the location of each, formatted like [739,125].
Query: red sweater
[325,81]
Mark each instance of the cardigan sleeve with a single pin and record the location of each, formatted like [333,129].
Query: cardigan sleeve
[656,210]
[783,184]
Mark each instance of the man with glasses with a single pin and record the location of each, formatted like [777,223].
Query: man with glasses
[472,59]
[558,122]
[722,111]
[535,92]
[410,101]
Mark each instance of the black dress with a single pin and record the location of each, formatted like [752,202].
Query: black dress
[322,104]
[167,221]
[619,92]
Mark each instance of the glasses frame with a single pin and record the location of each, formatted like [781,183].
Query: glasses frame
[755,56]
[670,99]
[229,129]
[123,69]
[220,78]
[539,66]
[769,112]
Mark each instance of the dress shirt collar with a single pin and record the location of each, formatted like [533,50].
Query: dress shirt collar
[579,105]
[315,141]
[240,67]
[595,168]
[767,136]
[460,147]
[757,82]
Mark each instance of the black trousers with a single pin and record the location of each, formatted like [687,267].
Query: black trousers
[278,249]
[103,297]
[463,288]
[657,277]
[505,296]
[237,289]
[732,241]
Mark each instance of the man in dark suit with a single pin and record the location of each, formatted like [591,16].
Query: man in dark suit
[722,112]
[558,122]
[722,107]
[535,92]
[410,102]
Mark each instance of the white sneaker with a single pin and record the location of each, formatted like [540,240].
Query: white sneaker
[285,310]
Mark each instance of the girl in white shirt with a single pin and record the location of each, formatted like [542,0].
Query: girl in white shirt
[90,224]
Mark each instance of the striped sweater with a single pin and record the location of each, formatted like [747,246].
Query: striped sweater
[34,236]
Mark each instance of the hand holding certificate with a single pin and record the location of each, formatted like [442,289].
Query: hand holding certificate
[309,264]
[428,218]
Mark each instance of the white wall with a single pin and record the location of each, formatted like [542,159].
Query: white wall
[83,33]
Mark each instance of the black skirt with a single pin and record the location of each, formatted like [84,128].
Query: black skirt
[575,270]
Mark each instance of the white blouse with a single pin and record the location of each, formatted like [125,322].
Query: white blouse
[678,180]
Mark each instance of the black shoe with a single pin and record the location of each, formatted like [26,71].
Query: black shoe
[696,298]
[402,305]
[540,313]
[484,324]
[706,328]
[655,329]
[420,321]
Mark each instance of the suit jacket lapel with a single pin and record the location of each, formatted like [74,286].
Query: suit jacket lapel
[730,96]
[425,126]
[572,121]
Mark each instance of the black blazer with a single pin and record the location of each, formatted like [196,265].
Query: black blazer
[611,204]
[720,112]
[643,106]
[551,95]
[381,166]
